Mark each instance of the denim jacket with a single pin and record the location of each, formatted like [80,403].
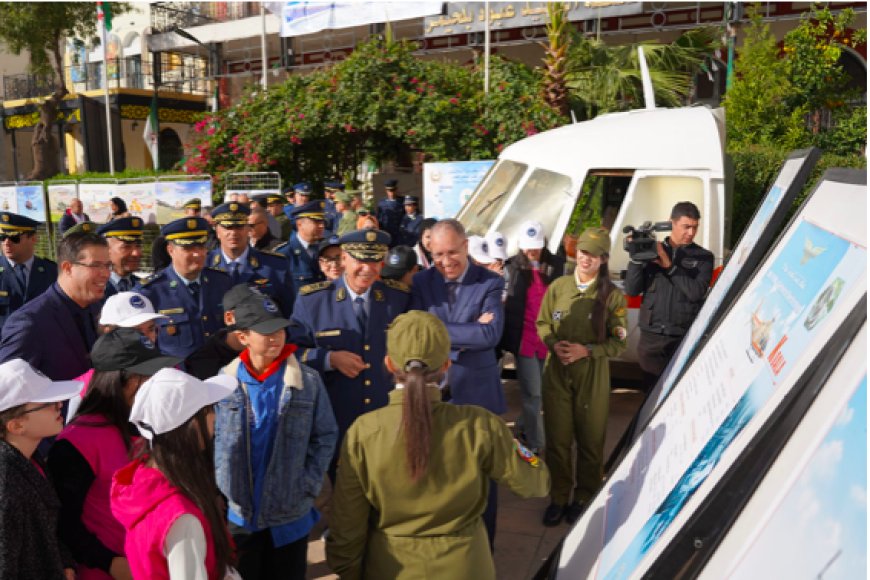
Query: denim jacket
[304,443]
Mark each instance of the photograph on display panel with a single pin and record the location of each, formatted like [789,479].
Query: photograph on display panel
[762,345]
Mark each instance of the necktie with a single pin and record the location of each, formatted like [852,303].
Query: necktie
[234,272]
[452,288]
[194,290]
[359,306]
[22,276]
[124,285]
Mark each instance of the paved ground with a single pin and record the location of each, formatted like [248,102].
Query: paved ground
[522,543]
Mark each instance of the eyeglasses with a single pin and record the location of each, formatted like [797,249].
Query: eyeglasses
[39,408]
[334,261]
[96,265]
[16,238]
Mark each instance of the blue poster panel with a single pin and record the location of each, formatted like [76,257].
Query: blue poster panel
[447,186]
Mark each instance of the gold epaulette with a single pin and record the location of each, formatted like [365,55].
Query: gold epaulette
[396,285]
[316,287]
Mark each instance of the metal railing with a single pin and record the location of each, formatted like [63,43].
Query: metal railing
[167,16]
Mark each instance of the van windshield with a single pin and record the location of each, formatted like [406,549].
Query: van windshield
[544,198]
[480,212]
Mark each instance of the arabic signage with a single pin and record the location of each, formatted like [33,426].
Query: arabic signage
[462,17]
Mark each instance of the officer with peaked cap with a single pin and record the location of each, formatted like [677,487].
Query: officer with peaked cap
[124,236]
[192,207]
[187,292]
[389,212]
[301,196]
[23,275]
[340,327]
[267,272]
[412,221]
[330,189]
[301,250]
[279,224]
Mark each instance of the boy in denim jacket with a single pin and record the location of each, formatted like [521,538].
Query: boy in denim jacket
[274,438]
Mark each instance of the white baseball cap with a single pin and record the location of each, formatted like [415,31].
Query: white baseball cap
[128,310]
[531,236]
[171,397]
[20,383]
[497,245]
[478,249]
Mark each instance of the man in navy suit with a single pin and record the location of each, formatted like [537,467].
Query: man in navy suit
[124,237]
[301,250]
[23,275]
[467,298]
[186,292]
[267,272]
[340,328]
[55,331]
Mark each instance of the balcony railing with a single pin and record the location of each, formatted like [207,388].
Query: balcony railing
[166,16]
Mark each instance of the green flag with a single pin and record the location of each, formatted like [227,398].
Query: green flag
[104,11]
[152,128]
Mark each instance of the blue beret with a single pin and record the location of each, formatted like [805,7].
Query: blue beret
[366,245]
[186,231]
[12,223]
[128,229]
[231,214]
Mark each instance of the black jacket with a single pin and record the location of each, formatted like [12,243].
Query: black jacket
[519,277]
[671,298]
[29,545]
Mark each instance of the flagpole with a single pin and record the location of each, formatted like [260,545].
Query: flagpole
[264,57]
[102,20]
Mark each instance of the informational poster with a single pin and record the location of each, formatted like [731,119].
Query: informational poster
[141,199]
[59,197]
[746,256]
[798,297]
[171,196]
[96,200]
[447,186]
[30,201]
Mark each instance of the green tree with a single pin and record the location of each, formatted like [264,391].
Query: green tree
[40,28]
[559,32]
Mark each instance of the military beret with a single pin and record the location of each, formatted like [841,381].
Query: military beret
[366,245]
[313,210]
[186,231]
[194,203]
[128,229]
[231,214]
[12,223]
[595,241]
[82,228]
[303,188]
[391,183]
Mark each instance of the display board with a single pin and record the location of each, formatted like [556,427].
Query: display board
[447,186]
[808,517]
[808,285]
[60,195]
[96,200]
[744,259]
[171,196]
[24,199]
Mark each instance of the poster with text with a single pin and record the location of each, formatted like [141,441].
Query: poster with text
[30,201]
[171,196]
[447,186]
[797,298]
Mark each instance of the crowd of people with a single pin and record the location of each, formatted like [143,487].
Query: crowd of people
[189,419]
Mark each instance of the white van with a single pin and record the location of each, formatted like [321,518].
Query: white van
[618,169]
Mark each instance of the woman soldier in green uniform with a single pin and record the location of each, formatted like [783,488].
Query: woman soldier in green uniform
[413,477]
[582,321]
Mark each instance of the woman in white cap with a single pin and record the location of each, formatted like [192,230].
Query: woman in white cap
[30,410]
[130,310]
[413,477]
[167,499]
[97,442]
[529,273]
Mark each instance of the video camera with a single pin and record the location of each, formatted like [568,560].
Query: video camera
[642,245]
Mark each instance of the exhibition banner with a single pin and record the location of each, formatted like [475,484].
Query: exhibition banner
[141,199]
[447,186]
[60,195]
[25,199]
[800,295]
[171,196]
[95,200]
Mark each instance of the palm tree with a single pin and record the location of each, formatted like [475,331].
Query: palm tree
[559,32]
[603,78]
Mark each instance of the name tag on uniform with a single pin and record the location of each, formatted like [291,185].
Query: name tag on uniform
[4,293]
[170,311]
[324,333]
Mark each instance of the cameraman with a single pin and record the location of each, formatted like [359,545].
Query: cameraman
[673,286]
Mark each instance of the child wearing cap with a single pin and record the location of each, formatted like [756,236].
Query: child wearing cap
[167,499]
[414,476]
[30,410]
[224,346]
[95,444]
[275,437]
[130,310]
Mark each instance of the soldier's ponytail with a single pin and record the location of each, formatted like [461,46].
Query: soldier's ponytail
[417,415]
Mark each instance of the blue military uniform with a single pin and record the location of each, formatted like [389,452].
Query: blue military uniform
[389,212]
[302,188]
[304,268]
[193,314]
[269,273]
[128,229]
[409,229]
[18,286]
[326,319]
[331,215]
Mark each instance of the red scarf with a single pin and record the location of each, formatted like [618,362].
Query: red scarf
[273,367]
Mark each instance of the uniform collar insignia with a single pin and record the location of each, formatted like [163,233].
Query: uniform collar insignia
[173,284]
[254,262]
[379,296]
[340,295]
[217,259]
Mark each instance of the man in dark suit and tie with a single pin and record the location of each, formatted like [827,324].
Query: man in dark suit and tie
[23,275]
[55,331]
[467,298]
[124,237]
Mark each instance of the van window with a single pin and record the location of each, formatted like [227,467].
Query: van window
[479,214]
[542,199]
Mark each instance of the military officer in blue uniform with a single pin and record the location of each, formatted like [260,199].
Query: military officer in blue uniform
[274,204]
[330,188]
[301,196]
[186,292]
[301,250]
[412,221]
[267,272]
[389,211]
[23,275]
[124,236]
[340,327]
[192,207]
